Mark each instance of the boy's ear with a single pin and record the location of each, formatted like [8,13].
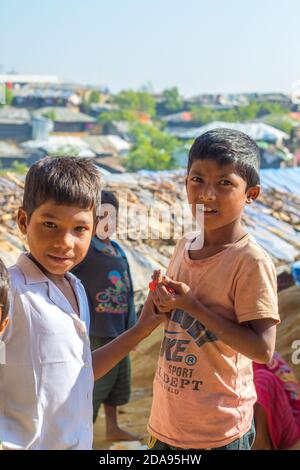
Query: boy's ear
[22,220]
[252,194]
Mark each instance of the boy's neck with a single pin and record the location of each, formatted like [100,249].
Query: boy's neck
[225,235]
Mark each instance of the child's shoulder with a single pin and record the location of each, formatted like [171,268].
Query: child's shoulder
[251,260]
[16,276]
[251,250]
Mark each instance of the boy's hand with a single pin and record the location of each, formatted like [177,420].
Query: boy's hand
[165,301]
[150,318]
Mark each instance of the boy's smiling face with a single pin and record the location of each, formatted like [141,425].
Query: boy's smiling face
[220,190]
[58,236]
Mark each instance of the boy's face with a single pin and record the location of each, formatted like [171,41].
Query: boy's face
[58,236]
[220,190]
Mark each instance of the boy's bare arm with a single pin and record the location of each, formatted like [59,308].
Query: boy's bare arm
[254,339]
[106,357]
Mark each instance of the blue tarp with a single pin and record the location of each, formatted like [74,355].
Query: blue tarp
[282,179]
[262,227]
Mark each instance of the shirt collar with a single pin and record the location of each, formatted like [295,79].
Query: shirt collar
[34,275]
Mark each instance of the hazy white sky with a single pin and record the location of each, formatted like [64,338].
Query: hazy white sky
[198,45]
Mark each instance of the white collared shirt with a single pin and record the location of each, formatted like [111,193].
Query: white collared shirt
[46,385]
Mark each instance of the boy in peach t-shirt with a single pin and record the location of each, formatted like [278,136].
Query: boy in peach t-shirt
[223,308]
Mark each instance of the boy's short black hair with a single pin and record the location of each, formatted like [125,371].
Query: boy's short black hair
[228,146]
[67,180]
[108,197]
[4,291]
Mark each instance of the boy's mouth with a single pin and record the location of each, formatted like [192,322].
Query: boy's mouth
[209,210]
[59,259]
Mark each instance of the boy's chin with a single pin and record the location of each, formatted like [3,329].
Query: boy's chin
[59,267]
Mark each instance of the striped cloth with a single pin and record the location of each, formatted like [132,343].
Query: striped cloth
[278,392]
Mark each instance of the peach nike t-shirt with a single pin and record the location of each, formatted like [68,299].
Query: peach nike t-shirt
[203,389]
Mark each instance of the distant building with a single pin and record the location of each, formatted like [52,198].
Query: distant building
[258,131]
[120,128]
[274,98]
[19,79]
[110,164]
[11,153]
[181,119]
[60,145]
[270,141]
[107,145]
[15,124]
[33,97]
[67,120]
[218,101]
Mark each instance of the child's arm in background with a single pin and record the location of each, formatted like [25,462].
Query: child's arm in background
[254,339]
[106,357]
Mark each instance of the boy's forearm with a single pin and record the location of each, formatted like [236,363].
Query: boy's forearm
[240,338]
[106,357]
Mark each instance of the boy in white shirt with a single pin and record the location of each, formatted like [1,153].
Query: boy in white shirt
[4,308]
[46,386]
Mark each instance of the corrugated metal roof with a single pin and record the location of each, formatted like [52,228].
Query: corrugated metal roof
[10,150]
[62,114]
[106,144]
[281,179]
[61,144]
[11,115]
[256,130]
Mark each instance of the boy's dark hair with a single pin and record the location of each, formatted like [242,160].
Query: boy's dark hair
[226,146]
[108,197]
[67,180]
[4,291]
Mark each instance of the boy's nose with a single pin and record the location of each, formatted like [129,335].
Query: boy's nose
[64,240]
[207,194]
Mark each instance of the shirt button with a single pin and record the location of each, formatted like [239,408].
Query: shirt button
[86,364]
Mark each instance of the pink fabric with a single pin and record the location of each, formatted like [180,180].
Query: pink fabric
[278,392]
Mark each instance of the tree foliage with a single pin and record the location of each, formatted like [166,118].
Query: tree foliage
[19,168]
[136,101]
[50,114]
[173,100]
[253,110]
[94,97]
[152,149]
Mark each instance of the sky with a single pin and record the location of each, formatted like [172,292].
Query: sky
[211,46]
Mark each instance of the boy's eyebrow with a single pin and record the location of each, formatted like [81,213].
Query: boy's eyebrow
[48,215]
[226,175]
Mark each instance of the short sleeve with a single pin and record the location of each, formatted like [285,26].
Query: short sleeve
[256,291]
[175,258]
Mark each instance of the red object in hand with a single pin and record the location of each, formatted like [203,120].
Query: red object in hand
[153,284]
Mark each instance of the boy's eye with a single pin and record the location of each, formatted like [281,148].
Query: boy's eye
[80,229]
[49,224]
[225,182]
[196,179]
